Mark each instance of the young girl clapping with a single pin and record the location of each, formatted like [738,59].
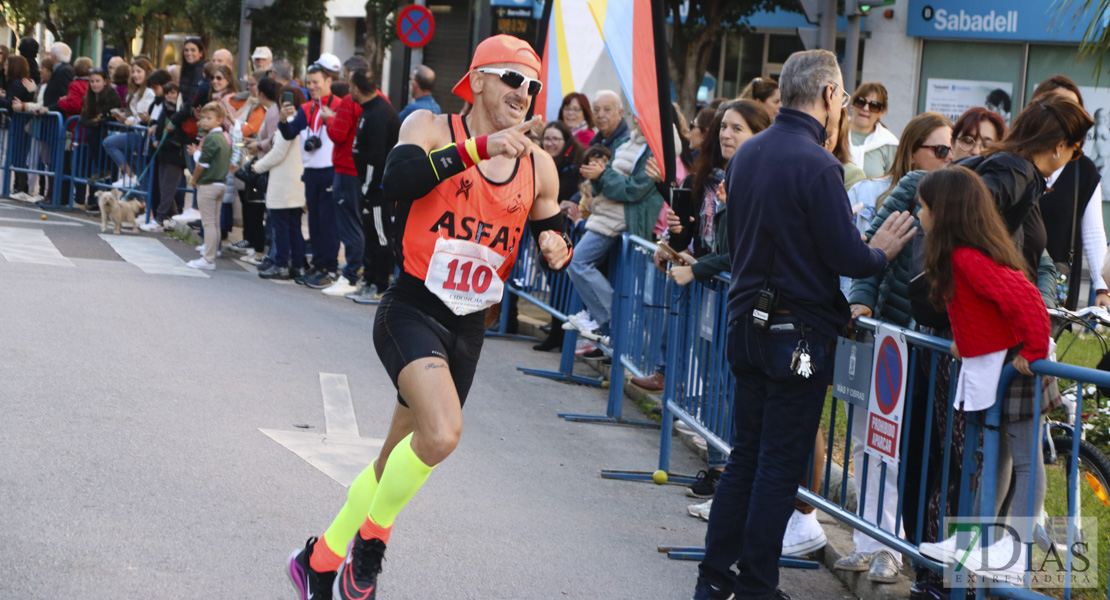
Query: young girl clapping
[977,274]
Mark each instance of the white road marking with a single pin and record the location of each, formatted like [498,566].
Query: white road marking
[339,409]
[150,255]
[340,453]
[21,245]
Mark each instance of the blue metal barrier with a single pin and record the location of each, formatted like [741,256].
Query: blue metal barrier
[552,292]
[35,145]
[92,166]
[639,312]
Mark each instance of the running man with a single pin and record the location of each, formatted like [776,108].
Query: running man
[464,188]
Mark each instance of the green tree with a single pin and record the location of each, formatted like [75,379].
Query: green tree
[380,32]
[692,41]
[21,15]
[1096,35]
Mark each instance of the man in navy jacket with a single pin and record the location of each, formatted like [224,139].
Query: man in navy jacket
[789,230]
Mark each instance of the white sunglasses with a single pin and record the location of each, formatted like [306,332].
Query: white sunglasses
[515,79]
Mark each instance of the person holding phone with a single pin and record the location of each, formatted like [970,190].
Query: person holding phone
[309,121]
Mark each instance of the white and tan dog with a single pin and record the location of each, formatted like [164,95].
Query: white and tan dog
[120,212]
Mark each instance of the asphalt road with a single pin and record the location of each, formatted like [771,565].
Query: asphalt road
[133,462]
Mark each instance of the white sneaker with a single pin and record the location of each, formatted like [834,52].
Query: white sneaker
[583,322]
[253,258]
[169,224]
[1004,558]
[202,264]
[700,511]
[127,181]
[945,552]
[803,535]
[341,287]
[200,250]
[22,197]
[152,227]
[190,214]
[584,346]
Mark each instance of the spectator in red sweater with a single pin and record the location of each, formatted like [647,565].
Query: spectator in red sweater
[74,99]
[997,314]
[341,126]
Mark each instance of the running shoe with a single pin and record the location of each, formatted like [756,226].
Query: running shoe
[705,484]
[304,276]
[274,272]
[322,280]
[311,585]
[152,227]
[595,354]
[584,346]
[357,578]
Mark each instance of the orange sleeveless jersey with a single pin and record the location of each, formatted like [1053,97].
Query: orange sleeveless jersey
[469,207]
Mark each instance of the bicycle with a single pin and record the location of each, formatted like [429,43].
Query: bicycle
[1059,437]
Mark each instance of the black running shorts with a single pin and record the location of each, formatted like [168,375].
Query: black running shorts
[403,333]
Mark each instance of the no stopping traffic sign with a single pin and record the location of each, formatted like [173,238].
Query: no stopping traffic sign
[415,26]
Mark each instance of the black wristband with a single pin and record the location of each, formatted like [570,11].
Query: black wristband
[557,223]
[446,162]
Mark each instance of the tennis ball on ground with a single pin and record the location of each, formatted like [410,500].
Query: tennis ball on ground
[659,477]
[44,217]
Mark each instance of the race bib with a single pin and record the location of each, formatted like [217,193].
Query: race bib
[464,276]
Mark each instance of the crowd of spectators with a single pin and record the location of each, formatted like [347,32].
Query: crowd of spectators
[280,151]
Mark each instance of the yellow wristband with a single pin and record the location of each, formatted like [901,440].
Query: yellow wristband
[472,150]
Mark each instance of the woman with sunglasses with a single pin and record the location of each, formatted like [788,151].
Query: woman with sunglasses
[1072,211]
[923,149]
[872,145]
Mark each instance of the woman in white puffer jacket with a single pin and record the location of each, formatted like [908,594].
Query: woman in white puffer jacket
[285,197]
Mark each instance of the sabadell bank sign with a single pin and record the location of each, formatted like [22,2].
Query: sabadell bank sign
[1011,20]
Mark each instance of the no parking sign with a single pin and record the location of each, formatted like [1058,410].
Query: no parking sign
[415,26]
[888,394]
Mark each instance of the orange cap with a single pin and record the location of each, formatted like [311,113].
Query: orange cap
[497,49]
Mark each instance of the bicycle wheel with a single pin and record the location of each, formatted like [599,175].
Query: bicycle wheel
[1094,485]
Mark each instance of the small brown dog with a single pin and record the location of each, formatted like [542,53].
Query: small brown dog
[120,212]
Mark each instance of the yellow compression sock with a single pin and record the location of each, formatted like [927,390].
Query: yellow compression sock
[403,476]
[353,513]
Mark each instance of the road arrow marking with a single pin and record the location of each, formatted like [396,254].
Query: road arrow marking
[339,409]
[339,453]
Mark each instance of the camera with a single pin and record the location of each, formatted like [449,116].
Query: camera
[312,143]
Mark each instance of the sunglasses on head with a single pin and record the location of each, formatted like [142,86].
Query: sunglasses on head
[515,79]
[1077,152]
[940,151]
[860,102]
